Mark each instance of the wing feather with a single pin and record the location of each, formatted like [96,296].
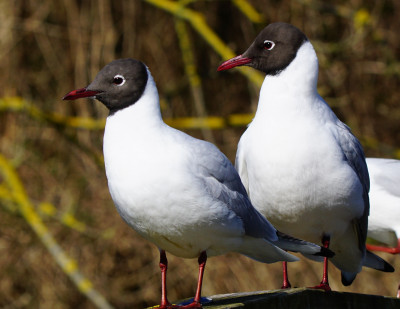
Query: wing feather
[354,155]
[223,182]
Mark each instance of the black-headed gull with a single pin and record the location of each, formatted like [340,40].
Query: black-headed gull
[179,192]
[384,196]
[301,166]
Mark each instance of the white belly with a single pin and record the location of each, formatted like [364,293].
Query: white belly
[300,182]
[170,209]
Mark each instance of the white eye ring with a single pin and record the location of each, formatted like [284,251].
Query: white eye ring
[268,45]
[119,80]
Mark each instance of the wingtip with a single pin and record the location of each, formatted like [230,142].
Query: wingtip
[374,261]
[388,268]
[293,244]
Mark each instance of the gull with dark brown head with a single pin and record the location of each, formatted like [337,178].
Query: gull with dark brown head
[301,166]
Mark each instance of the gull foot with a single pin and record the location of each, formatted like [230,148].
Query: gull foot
[322,286]
[192,305]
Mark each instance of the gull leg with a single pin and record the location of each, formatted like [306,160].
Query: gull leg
[392,250]
[286,284]
[164,266]
[324,285]
[202,264]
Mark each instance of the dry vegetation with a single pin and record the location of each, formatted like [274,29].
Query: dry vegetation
[50,47]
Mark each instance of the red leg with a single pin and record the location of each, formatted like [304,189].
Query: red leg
[286,284]
[202,264]
[164,266]
[324,285]
[394,250]
[165,304]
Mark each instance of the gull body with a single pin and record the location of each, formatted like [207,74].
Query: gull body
[292,162]
[176,204]
[301,166]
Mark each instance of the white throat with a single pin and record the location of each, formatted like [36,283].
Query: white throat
[144,112]
[297,81]
[130,128]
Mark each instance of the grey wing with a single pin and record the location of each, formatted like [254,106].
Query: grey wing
[223,182]
[354,155]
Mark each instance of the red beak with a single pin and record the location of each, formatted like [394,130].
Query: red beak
[234,62]
[80,93]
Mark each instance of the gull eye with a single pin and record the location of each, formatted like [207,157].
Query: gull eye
[268,45]
[119,80]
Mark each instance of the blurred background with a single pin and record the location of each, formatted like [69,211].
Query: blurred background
[62,243]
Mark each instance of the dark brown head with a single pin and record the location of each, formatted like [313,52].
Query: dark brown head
[118,85]
[272,51]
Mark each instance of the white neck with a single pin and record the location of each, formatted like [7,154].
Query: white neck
[131,131]
[143,114]
[298,80]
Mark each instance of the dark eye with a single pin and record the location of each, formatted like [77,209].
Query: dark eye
[118,80]
[268,45]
